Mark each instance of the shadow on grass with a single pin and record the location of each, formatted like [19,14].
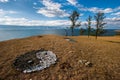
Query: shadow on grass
[113,42]
[1,79]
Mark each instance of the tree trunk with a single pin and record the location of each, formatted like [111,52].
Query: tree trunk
[72,31]
[88,33]
[96,33]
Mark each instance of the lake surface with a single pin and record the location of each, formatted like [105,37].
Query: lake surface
[13,32]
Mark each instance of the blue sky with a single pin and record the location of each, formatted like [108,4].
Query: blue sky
[56,12]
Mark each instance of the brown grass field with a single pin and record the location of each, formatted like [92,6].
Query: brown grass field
[103,53]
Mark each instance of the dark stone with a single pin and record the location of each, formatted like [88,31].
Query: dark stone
[34,60]
[26,60]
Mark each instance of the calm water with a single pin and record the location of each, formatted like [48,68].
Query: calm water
[12,32]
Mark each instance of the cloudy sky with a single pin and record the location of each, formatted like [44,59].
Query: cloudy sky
[56,12]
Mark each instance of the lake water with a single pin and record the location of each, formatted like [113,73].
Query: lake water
[13,32]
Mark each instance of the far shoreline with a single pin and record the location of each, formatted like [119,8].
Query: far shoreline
[85,36]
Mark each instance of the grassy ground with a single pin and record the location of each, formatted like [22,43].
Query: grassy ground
[103,53]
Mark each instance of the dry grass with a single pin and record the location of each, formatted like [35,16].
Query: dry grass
[104,53]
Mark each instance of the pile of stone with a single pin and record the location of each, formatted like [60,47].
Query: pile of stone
[34,61]
[86,63]
[70,40]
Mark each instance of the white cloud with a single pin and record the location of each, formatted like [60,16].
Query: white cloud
[92,9]
[73,2]
[26,22]
[104,10]
[5,20]
[96,9]
[3,0]
[114,19]
[52,9]
[117,9]
[34,3]
[111,22]
[107,10]
[4,12]
[116,14]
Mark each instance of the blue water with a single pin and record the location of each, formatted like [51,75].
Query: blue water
[13,32]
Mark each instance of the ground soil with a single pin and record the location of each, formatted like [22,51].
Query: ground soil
[103,53]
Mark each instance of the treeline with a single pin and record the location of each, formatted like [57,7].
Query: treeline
[99,23]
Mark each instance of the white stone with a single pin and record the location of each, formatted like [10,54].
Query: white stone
[46,59]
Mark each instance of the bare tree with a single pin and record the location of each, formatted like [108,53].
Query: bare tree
[73,18]
[88,24]
[99,18]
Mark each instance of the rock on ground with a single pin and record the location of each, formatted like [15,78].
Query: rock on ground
[35,61]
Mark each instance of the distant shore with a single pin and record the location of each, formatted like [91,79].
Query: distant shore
[14,32]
